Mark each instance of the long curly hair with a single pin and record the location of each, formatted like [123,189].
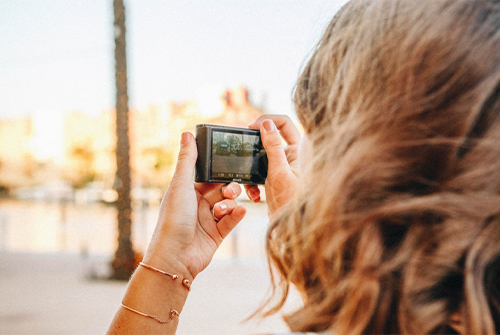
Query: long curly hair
[395,226]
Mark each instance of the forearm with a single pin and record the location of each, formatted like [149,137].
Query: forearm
[184,242]
[154,294]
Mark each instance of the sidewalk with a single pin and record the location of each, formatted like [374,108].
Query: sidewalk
[51,294]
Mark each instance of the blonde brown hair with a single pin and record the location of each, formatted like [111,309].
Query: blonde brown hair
[396,224]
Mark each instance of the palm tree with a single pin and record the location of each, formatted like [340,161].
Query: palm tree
[123,263]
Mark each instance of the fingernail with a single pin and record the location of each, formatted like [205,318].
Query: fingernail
[223,207]
[269,125]
[232,191]
[185,138]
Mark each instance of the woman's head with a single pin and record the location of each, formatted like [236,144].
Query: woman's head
[396,226]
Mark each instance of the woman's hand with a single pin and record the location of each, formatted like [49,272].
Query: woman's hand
[283,167]
[193,221]
[194,218]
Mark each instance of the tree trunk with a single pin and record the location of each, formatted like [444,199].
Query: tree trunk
[124,262]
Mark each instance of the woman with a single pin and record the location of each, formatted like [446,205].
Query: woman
[394,226]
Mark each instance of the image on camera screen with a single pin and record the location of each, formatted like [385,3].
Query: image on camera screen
[235,155]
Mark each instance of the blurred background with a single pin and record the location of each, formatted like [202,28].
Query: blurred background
[89,137]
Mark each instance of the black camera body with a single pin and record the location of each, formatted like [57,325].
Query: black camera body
[227,154]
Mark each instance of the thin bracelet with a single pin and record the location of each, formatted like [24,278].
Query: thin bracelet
[173,313]
[185,282]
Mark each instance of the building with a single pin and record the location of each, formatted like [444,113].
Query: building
[86,152]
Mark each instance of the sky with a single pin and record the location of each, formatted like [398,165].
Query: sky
[58,55]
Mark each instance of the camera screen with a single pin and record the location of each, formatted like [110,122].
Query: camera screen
[235,155]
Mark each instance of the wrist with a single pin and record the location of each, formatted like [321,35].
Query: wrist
[169,264]
[156,296]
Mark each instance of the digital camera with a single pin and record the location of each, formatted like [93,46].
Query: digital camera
[227,154]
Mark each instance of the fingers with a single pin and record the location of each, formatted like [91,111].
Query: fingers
[228,222]
[273,128]
[224,207]
[271,140]
[219,226]
[253,193]
[184,170]
[286,127]
[214,193]
[231,191]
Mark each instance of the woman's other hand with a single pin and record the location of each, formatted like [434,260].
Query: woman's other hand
[283,167]
[194,218]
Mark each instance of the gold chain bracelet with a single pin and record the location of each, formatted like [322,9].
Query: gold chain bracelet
[173,313]
[185,282]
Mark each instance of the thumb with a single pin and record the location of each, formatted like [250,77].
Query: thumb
[184,170]
[273,144]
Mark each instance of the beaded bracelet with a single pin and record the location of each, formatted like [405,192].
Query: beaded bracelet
[185,282]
